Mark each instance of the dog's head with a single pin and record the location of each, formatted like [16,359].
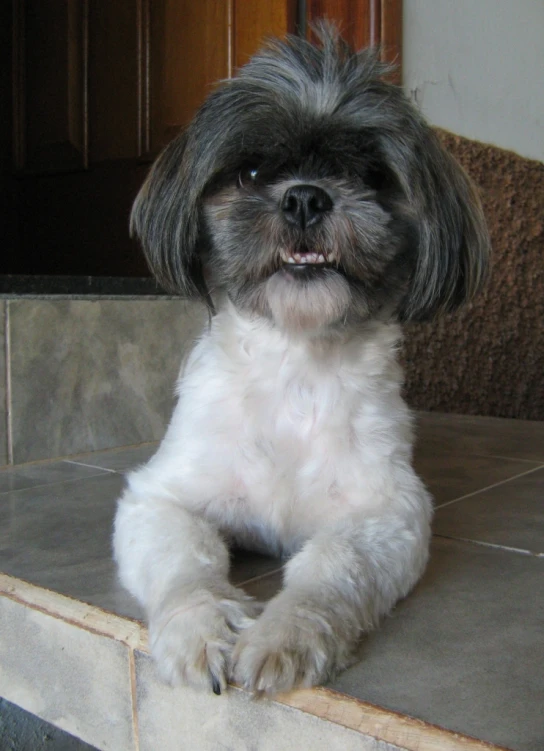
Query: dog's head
[312,192]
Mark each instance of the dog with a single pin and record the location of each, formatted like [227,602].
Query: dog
[313,211]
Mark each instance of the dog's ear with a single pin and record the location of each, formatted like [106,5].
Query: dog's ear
[453,241]
[166,219]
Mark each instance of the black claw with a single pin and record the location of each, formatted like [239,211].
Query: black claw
[216,686]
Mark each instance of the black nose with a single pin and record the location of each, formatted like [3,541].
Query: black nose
[304,205]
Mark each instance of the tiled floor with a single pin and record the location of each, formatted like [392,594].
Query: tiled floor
[465,651]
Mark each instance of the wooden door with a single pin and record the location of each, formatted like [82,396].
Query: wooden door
[99,86]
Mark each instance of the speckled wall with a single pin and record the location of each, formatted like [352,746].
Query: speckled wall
[489,358]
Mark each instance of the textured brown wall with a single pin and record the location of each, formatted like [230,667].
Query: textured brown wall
[489,358]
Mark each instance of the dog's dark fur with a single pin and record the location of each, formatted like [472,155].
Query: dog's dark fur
[405,216]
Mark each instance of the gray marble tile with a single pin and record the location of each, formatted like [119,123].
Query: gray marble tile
[464,650]
[35,475]
[177,718]
[516,439]
[511,514]
[117,460]
[59,536]
[265,587]
[3,376]
[93,374]
[73,678]
[452,475]
[246,565]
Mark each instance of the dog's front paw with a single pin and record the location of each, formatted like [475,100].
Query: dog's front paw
[284,650]
[192,642]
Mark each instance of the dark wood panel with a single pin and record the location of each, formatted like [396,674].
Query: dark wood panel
[50,56]
[114,79]
[366,23]
[189,52]
[255,21]
[8,239]
[118,79]
[358,20]
[391,36]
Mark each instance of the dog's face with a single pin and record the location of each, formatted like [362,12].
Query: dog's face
[313,193]
[306,227]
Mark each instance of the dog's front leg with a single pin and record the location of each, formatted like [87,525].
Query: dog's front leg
[337,587]
[176,564]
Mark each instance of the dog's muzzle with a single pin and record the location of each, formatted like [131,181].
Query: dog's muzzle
[305,206]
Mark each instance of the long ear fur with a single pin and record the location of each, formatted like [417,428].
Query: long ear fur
[165,217]
[452,258]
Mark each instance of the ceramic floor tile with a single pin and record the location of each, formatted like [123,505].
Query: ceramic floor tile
[464,650]
[3,387]
[118,460]
[59,536]
[246,565]
[450,476]
[73,678]
[516,439]
[265,587]
[511,514]
[181,718]
[36,475]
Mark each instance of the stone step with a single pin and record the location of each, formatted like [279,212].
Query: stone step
[88,672]
[461,656]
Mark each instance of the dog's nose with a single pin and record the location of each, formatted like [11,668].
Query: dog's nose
[304,205]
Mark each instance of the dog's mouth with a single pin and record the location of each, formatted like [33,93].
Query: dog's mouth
[303,258]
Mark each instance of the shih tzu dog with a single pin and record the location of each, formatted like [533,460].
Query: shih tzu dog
[313,210]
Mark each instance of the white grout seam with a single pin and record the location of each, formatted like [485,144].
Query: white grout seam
[94,466]
[54,483]
[495,545]
[488,487]
[260,576]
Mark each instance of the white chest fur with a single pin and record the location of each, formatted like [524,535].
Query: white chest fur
[274,437]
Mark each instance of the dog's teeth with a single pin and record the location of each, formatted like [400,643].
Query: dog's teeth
[306,257]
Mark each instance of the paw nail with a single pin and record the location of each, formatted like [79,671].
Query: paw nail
[216,686]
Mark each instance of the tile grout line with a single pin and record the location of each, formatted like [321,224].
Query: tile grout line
[260,576]
[512,458]
[99,473]
[70,457]
[7,351]
[494,545]
[93,466]
[488,487]
[133,698]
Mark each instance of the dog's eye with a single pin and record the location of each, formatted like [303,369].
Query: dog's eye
[248,176]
